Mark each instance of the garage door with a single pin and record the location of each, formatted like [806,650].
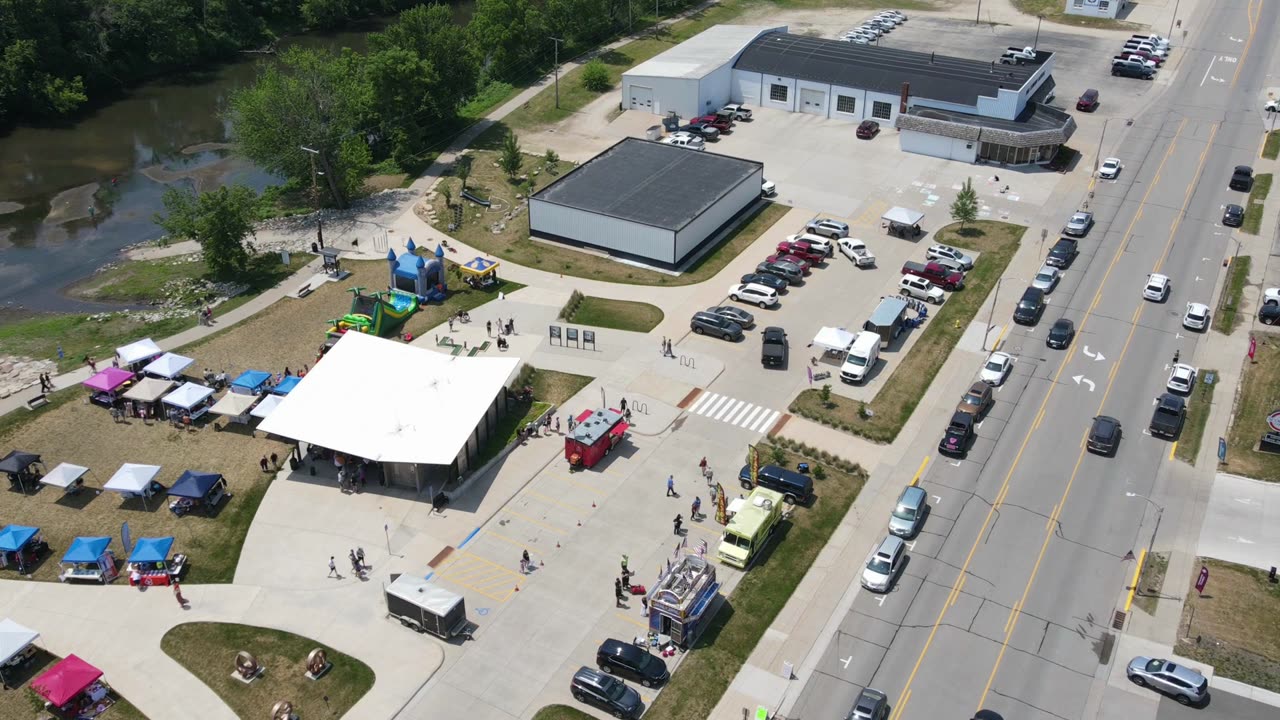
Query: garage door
[641,98]
[813,102]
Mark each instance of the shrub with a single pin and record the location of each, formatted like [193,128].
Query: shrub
[595,77]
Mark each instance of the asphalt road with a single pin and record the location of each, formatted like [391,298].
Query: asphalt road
[1007,598]
[1221,705]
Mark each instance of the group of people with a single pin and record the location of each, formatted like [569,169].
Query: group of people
[664,347]
[622,585]
[358,566]
[545,425]
[46,383]
[508,328]
[205,315]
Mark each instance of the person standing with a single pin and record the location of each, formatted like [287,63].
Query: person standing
[677,523]
[488,328]
[524,562]
[333,568]
[623,405]
[177,593]
[617,592]
[695,511]
[702,466]
[275,461]
[671,486]
[263,464]
[360,558]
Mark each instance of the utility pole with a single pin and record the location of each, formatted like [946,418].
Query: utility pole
[315,187]
[1036,45]
[978,18]
[1175,15]
[1097,158]
[557,41]
[991,313]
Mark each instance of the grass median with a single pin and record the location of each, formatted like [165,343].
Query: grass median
[1198,406]
[883,418]
[1227,317]
[207,650]
[1271,148]
[1254,206]
[1232,625]
[606,313]
[1259,388]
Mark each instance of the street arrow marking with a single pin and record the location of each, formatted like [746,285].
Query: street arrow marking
[1216,79]
[1082,379]
[881,599]
[1241,540]
[1235,39]
[1095,356]
[846,661]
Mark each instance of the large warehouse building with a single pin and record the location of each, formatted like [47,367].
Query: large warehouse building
[692,78]
[945,107]
[645,200]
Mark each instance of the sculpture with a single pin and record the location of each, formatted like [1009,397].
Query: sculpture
[283,710]
[317,663]
[247,667]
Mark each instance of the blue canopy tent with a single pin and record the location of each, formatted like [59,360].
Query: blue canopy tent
[287,384]
[15,537]
[197,488]
[150,563]
[21,546]
[250,382]
[86,549]
[151,550]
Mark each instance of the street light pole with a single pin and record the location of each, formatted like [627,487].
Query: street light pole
[557,41]
[992,311]
[315,188]
[1098,155]
[1175,15]
[1159,514]
[978,18]
[1036,44]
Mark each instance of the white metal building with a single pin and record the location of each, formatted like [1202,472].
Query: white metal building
[1096,8]
[692,78]
[646,200]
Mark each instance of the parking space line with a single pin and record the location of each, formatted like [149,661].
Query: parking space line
[557,503]
[539,523]
[505,539]
[482,576]
[633,621]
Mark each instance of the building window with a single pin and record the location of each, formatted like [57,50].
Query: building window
[1104,5]
[777,93]
[1078,3]
[881,110]
[846,104]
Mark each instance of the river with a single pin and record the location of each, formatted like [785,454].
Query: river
[71,198]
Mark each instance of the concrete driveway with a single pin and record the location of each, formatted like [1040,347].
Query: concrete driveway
[1242,522]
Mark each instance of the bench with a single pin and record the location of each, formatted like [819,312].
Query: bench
[457,350]
[472,352]
[305,290]
[484,346]
[37,401]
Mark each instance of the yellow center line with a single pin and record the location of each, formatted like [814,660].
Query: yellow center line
[923,463]
[1253,26]
[981,535]
[632,620]
[709,531]
[1133,586]
[1124,351]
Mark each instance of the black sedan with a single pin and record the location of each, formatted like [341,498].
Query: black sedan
[1233,216]
[1061,334]
[1104,436]
[773,282]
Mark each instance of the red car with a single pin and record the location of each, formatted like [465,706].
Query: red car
[868,129]
[718,122]
[804,265]
[801,250]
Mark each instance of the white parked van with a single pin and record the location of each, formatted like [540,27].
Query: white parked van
[861,358]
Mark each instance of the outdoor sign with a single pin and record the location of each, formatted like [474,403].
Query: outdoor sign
[1222,450]
[722,508]
[1253,346]
[1273,420]
[1203,579]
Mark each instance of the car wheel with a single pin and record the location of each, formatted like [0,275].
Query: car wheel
[579,697]
[618,714]
[726,337]
[647,683]
[1183,700]
[1137,680]
[791,499]
[763,304]
[936,301]
[733,297]
[746,484]
[904,293]
[606,668]
[698,331]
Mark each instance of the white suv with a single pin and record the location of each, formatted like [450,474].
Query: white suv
[1157,287]
[754,294]
[919,288]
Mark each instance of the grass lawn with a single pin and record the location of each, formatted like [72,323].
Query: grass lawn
[1054,11]
[1253,208]
[135,282]
[1151,582]
[207,651]
[561,712]
[1258,396]
[896,401]
[1235,624]
[616,314]
[1271,148]
[1198,406]
[19,702]
[550,387]
[1225,320]
[512,242]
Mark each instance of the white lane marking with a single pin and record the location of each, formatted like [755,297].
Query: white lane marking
[701,401]
[734,418]
[751,416]
[1206,71]
[712,407]
[725,411]
[768,423]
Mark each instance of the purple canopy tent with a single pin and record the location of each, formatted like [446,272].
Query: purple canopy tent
[107,382]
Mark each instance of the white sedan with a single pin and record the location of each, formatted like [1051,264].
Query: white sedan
[1197,317]
[1110,169]
[1157,287]
[996,369]
[754,294]
[1181,379]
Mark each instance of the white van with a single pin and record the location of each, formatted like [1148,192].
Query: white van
[861,358]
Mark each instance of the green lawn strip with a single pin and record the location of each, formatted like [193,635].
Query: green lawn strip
[893,405]
[743,617]
[561,712]
[1055,11]
[19,702]
[1232,626]
[550,387]
[99,334]
[1198,406]
[1254,207]
[615,314]
[1256,398]
[1226,319]
[207,650]
[1271,148]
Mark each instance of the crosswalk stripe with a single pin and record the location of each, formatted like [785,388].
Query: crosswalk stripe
[733,419]
[768,423]
[726,407]
[750,416]
[701,401]
[712,407]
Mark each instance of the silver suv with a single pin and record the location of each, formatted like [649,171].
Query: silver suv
[908,512]
[827,227]
[1185,685]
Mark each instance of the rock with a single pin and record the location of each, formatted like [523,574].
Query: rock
[6,368]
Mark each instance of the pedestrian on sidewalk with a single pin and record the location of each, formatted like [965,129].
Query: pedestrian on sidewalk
[695,511]
[702,466]
[623,405]
[488,328]
[662,347]
[263,464]
[333,568]
[511,326]
[177,593]
[557,424]
[275,461]
[671,486]
[451,324]
[626,578]
[617,592]
[93,365]
[524,562]
[360,558]
[677,523]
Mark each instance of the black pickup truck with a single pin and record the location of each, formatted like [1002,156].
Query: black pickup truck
[773,347]
[1167,419]
[1063,252]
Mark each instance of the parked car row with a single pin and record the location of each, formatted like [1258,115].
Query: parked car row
[604,689]
[698,131]
[874,27]
[1140,57]
[944,269]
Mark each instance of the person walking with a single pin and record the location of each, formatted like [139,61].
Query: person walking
[557,424]
[662,347]
[275,461]
[695,511]
[677,523]
[671,486]
[333,568]
[263,464]
[488,328]
[360,558]
[451,323]
[623,405]
[93,365]
[617,592]
[702,466]
[177,593]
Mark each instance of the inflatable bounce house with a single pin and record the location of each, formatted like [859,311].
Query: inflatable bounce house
[411,273]
[379,314]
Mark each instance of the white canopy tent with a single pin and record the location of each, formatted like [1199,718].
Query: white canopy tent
[233,404]
[149,389]
[834,339]
[267,406]
[902,216]
[63,475]
[188,395]
[418,407]
[132,479]
[138,351]
[14,638]
[168,365]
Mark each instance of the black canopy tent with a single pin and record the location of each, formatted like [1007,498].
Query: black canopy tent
[18,465]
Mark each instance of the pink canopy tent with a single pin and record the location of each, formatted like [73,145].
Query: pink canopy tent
[62,682]
[108,380]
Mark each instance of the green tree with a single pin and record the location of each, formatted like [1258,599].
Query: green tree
[219,220]
[313,100]
[462,170]
[595,76]
[325,14]
[825,394]
[510,158]
[778,455]
[965,207]
[512,36]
